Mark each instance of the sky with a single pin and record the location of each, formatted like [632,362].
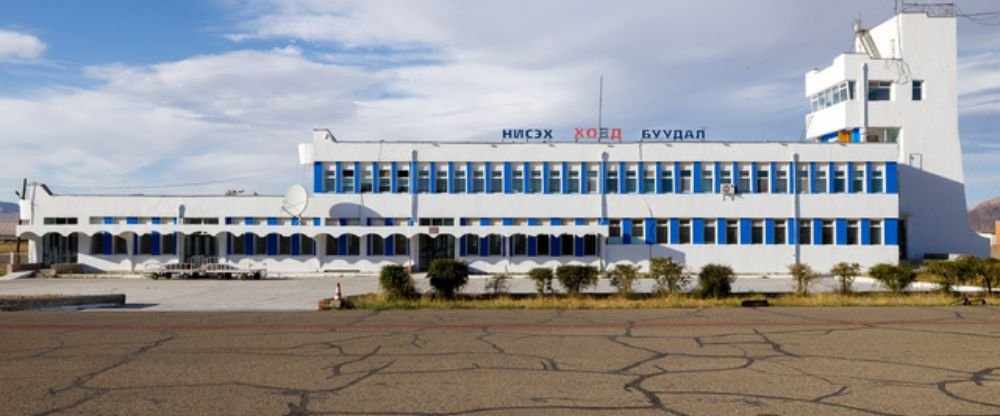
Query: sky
[120,96]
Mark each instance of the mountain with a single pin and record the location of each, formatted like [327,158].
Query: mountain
[984,216]
[8,208]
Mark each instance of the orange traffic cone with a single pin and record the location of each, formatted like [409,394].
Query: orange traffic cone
[338,295]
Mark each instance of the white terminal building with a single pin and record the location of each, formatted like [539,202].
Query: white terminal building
[878,179]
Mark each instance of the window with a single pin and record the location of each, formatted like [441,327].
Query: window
[708,234]
[631,180]
[685,232]
[707,181]
[638,231]
[686,179]
[875,232]
[403,181]
[97,243]
[120,245]
[542,245]
[743,185]
[781,181]
[918,90]
[478,181]
[827,233]
[517,180]
[436,222]
[802,180]
[240,243]
[611,182]
[347,180]
[839,179]
[366,178]
[566,245]
[821,183]
[472,245]
[858,181]
[260,246]
[882,135]
[60,221]
[496,181]
[145,244]
[592,177]
[573,181]
[614,232]
[384,180]
[762,178]
[667,180]
[590,245]
[400,245]
[377,244]
[284,245]
[878,184]
[732,232]
[832,96]
[330,185]
[780,231]
[168,244]
[555,181]
[662,231]
[757,232]
[536,181]
[423,180]
[519,245]
[852,233]
[441,181]
[495,244]
[725,176]
[353,245]
[805,232]
[879,90]
[459,180]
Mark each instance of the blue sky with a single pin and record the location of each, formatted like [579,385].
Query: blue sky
[126,96]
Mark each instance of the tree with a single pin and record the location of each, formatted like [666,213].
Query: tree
[894,277]
[990,274]
[668,274]
[575,278]
[542,276]
[846,273]
[803,275]
[447,276]
[396,282]
[499,284]
[963,270]
[623,276]
[715,281]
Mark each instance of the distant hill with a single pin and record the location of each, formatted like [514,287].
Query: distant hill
[8,209]
[983,217]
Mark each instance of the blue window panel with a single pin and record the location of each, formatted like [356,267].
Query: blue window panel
[155,221]
[272,244]
[375,177]
[526,178]
[545,178]
[769,231]
[342,245]
[342,221]
[393,183]
[487,176]
[698,231]
[388,221]
[890,178]
[774,177]
[317,177]
[581,221]
[555,249]
[135,243]
[866,232]
[793,231]
[131,220]
[462,221]
[508,221]
[107,248]
[507,189]
[817,230]
[753,177]
[793,178]
[578,246]
[856,135]
[626,231]
[340,170]
[565,177]
[677,177]
[658,183]
[297,245]
[720,231]
[316,222]
[696,177]
[533,221]
[868,177]
[583,177]
[621,178]
[484,221]
[556,221]
[109,220]
[602,221]
[413,176]
[841,228]
[745,231]
[830,174]
[154,246]
[812,178]
[675,231]
[735,177]
[451,177]
[248,221]
[357,177]
[649,230]
[484,246]
[433,177]
[272,221]
[503,246]
[532,246]
[850,177]
[248,247]
[468,177]
[717,178]
[461,246]
[602,184]
[295,221]
[229,220]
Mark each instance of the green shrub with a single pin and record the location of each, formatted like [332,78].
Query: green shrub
[715,281]
[623,276]
[396,282]
[542,276]
[803,276]
[447,276]
[894,277]
[846,273]
[669,275]
[575,278]
[498,284]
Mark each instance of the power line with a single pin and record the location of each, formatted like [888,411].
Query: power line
[182,185]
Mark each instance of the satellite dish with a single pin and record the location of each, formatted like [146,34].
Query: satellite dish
[296,200]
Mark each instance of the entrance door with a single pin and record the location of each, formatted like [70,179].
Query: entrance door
[439,247]
[58,249]
[203,245]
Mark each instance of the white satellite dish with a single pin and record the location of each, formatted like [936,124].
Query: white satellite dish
[296,200]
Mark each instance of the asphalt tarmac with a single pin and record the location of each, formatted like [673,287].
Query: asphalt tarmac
[767,361]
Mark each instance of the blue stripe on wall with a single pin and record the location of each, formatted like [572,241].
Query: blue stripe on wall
[698,231]
[675,231]
[272,221]
[578,246]
[866,232]
[830,174]
[507,189]
[868,177]
[555,249]
[696,177]
[602,182]
[746,231]
[451,177]
[461,246]
[658,184]
[841,231]
[774,178]
[626,231]
[296,245]
[248,245]
[413,176]
[565,177]
[508,221]
[526,179]
[720,231]
[272,244]
[484,221]
[581,221]
[850,178]
[468,177]
[154,247]
[753,177]
[532,246]
[817,230]
[583,177]
[649,231]
[338,185]
[487,175]
[357,177]
[375,177]
[793,177]
[433,177]
[717,178]
[891,186]
[317,177]
[545,178]
[394,180]
[812,178]
[533,221]
[793,231]
[769,231]
[621,178]
[677,177]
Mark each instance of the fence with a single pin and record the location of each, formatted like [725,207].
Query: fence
[13,258]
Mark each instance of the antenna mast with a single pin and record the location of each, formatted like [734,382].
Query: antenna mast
[600,108]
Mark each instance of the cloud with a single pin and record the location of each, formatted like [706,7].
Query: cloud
[16,46]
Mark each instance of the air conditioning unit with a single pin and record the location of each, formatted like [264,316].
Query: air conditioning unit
[728,190]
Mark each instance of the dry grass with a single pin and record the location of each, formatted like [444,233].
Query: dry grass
[7,247]
[378,301]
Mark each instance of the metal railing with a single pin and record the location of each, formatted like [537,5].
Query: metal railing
[13,258]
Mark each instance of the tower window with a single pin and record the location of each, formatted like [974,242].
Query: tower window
[918,90]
